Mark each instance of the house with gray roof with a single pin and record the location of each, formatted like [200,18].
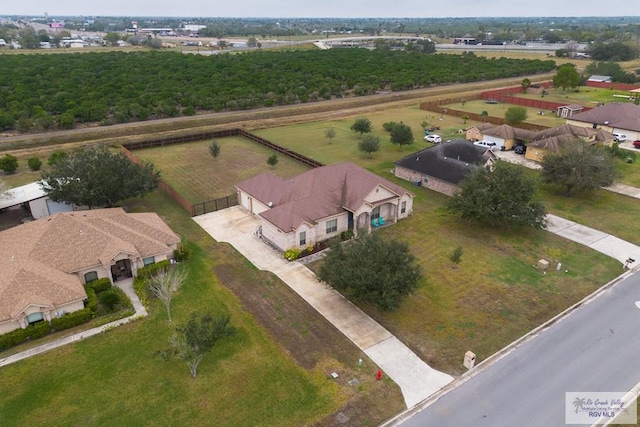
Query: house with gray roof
[442,167]
[321,203]
[615,117]
[46,262]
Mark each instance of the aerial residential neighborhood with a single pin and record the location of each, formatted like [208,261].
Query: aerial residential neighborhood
[319,221]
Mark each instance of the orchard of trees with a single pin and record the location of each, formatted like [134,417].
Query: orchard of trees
[40,92]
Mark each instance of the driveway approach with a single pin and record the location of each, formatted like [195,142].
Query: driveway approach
[416,379]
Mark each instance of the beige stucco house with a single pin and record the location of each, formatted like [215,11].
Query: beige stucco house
[321,203]
[615,117]
[550,140]
[46,262]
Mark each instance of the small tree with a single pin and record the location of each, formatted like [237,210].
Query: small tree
[55,157]
[579,167]
[456,255]
[515,115]
[380,272]
[272,160]
[9,163]
[34,163]
[164,284]
[192,340]
[504,196]
[464,119]
[401,135]
[214,149]
[369,144]
[252,42]
[330,133]
[525,83]
[485,115]
[361,126]
[566,77]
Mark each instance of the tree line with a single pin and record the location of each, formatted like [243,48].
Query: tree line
[41,92]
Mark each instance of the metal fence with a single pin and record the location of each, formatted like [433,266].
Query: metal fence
[214,205]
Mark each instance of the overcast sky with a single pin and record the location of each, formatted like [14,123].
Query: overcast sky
[322,8]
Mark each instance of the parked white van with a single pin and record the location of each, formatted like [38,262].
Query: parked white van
[487,144]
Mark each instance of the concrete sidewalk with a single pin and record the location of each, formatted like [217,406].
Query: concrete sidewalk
[140,311]
[416,379]
[594,239]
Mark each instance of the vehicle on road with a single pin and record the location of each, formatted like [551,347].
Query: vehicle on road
[619,137]
[436,139]
[636,143]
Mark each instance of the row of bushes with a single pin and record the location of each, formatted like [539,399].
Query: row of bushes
[140,288]
[99,285]
[70,320]
[18,336]
[152,269]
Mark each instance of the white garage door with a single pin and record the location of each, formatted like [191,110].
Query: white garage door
[55,207]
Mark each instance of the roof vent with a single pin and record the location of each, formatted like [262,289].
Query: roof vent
[270,204]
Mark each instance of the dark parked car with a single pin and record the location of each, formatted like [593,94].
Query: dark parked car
[520,149]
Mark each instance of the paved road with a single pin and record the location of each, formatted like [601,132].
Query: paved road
[596,348]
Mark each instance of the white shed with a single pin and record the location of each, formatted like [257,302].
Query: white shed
[40,204]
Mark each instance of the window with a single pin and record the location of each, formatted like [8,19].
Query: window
[375,213]
[403,207]
[90,276]
[303,238]
[35,318]
[332,226]
[148,261]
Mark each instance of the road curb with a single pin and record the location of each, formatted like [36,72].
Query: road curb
[410,412]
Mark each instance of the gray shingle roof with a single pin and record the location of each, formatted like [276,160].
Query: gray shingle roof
[625,116]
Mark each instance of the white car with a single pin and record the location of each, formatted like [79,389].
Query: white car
[487,144]
[436,139]
[619,137]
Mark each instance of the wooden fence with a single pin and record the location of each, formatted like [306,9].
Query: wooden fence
[615,86]
[215,204]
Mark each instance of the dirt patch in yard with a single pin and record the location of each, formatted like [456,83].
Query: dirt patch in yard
[314,344]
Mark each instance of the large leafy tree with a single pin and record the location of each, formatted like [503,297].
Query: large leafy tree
[192,340]
[361,126]
[609,68]
[515,115]
[579,167]
[502,197]
[615,51]
[369,144]
[371,269]
[96,177]
[401,135]
[566,77]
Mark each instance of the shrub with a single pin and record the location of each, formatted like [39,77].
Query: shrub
[9,163]
[140,288]
[92,299]
[152,269]
[109,299]
[125,301]
[292,254]
[34,163]
[182,253]
[388,126]
[70,320]
[346,235]
[21,335]
[615,151]
[100,285]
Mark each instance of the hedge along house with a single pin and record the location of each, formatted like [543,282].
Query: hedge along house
[46,262]
[442,167]
[322,203]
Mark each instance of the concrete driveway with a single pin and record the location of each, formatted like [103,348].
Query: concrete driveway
[416,379]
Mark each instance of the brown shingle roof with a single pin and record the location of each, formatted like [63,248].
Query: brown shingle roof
[624,116]
[315,194]
[38,259]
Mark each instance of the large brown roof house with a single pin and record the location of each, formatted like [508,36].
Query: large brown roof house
[321,203]
[615,117]
[46,262]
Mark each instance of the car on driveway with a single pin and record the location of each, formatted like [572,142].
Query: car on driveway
[636,143]
[520,149]
[436,139]
[619,137]
[487,144]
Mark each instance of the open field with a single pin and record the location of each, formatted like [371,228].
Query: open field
[494,296]
[113,379]
[195,174]
[584,95]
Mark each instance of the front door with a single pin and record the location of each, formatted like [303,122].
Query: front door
[121,270]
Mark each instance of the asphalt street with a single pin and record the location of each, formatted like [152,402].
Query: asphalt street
[594,349]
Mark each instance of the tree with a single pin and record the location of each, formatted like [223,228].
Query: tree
[96,177]
[504,196]
[9,163]
[464,119]
[485,115]
[566,77]
[34,163]
[525,83]
[252,42]
[609,68]
[369,144]
[515,115]
[401,134]
[214,148]
[330,133]
[579,167]
[456,255]
[373,270]
[361,126]
[192,340]
[614,51]
[164,284]
[272,160]
[112,38]
[55,157]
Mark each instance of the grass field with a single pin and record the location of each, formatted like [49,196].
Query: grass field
[248,380]
[583,95]
[498,110]
[195,174]
[495,295]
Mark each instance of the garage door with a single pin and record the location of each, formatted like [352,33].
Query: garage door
[55,207]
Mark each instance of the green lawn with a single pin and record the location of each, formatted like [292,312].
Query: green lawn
[113,379]
[583,95]
[498,110]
